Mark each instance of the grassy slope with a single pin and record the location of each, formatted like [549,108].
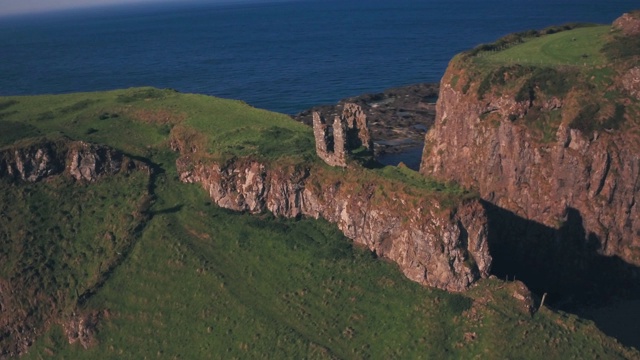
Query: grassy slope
[202,282]
[579,46]
[206,283]
[137,119]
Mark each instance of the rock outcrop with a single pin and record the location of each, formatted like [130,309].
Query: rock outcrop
[82,329]
[31,163]
[87,162]
[80,160]
[433,245]
[599,176]
[628,24]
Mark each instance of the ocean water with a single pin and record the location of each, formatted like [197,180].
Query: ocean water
[282,56]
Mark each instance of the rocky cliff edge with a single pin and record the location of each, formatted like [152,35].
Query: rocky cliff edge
[557,145]
[433,244]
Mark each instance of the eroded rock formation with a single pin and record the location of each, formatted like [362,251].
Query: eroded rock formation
[81,328]
[435,246]
[598,175]
[81,160]
[89,161]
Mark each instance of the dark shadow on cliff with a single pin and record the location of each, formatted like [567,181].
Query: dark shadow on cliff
[564,263]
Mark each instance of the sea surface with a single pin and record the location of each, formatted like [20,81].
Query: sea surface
[284,56]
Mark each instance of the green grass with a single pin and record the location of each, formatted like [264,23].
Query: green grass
[134,120]
[203,282]
[412,182]
[60,240]
[574,71]
[581,46]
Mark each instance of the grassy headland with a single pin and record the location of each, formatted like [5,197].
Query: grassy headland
[584,66]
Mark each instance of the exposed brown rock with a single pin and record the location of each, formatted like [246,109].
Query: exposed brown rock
[88,161]
[631,82]
[524,296]
[82,161]
[31,163]
[444,248]
[81,328]
[562,205]
[628,23]
[597,176]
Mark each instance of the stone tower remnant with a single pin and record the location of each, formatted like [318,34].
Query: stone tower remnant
[349,131]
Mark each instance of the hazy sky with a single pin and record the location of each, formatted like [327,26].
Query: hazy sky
[8,7]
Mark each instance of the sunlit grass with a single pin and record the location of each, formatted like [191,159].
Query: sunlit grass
[579,46]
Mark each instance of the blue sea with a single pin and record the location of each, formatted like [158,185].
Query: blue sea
[284,56]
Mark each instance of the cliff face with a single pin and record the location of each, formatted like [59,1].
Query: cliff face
[591,175]
[435,247]
[81,160]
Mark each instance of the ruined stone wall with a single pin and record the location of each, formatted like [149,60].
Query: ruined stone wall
[349,131]
[330,146]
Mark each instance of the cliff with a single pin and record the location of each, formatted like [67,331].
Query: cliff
[36,160]
[556,145]
[433,244]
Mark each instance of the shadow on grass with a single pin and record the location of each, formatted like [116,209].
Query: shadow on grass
[566,264]
[171,210]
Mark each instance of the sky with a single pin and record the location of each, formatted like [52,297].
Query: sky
[10,7]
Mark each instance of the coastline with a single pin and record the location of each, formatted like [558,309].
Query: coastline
[398,119]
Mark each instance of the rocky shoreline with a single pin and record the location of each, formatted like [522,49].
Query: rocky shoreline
[398,117]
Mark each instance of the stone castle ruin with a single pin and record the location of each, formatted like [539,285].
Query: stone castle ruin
[349,131]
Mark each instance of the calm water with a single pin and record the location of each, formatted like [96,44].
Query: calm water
[284,56]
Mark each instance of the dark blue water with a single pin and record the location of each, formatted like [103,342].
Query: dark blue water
[284,56]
